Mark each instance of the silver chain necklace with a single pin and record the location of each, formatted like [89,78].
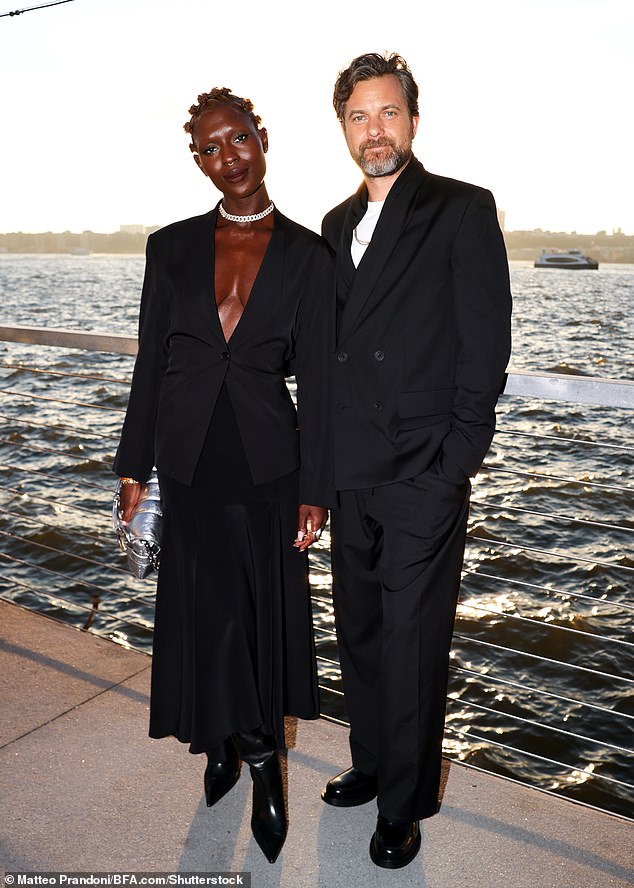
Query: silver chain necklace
[254,218]
[359,241]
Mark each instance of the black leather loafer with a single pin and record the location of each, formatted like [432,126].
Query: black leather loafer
[394,845]
[349,789]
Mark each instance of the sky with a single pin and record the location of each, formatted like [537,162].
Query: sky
[530,99]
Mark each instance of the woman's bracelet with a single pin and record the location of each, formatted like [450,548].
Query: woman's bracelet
[124,481]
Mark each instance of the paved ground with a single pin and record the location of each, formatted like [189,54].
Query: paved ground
[83,789]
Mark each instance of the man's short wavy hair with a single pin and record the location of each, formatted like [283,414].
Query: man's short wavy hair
[369,66]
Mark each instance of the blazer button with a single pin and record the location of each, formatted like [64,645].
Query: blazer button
[378,355]
[342,357]
[225,356]
[377,405]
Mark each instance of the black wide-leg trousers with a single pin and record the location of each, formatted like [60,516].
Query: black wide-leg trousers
[397,557]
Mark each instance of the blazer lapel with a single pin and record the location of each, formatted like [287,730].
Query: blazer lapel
[399,206]
[266,293]
[200,296]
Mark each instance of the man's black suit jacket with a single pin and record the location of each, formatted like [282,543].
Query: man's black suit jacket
[423,332]
[183,358]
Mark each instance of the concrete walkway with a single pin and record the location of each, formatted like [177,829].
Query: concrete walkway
[83,789]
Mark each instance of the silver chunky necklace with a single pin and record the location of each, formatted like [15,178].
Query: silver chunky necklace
[254,218]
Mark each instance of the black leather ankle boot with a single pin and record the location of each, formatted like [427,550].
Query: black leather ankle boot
[222,771]
[268,819]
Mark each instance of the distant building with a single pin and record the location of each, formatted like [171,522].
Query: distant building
[132,229]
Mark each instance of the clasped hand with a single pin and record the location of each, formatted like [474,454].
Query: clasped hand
[128,498]
[311,522]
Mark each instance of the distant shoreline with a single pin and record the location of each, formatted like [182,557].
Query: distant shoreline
[527,245]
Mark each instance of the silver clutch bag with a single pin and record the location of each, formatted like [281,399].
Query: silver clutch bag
[140,538]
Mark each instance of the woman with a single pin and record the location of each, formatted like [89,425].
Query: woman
[230,305]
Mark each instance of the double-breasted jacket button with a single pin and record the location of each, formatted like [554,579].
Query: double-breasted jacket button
[377,405]
[378,355]
[342,357]
[225,356]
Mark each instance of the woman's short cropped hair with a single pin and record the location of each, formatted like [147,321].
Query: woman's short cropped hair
[219,95]
[369,66]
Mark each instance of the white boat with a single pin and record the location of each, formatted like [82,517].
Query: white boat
[565,259]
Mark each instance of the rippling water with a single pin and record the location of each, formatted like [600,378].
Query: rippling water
[565,500]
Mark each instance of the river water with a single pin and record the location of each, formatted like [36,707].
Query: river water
[545,604]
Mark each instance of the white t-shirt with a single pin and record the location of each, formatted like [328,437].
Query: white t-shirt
[364,231]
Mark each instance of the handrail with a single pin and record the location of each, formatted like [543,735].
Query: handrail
[565,387]
[525,383]
[57,336]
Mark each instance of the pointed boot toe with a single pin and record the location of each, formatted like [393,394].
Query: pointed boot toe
[221,776]
[268,820]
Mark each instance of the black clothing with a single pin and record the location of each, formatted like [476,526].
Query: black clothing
[417,354]
[230,584]
[397,554]
[233,643]
[184,359]
[424,335]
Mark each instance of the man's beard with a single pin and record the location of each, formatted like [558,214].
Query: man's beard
[391,161]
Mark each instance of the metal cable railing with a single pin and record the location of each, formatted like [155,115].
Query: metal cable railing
[548,660]
[542,653]
[588,772]
[549,590]
[580,632]
[76,430]
[531,689]
[566,480]
[559,439]
[551,516]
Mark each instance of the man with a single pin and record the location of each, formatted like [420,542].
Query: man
[422,343]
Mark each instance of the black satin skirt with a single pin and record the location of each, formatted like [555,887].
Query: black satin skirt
[233,640]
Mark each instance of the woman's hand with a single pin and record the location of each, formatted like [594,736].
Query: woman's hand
[311,522]
[128,497]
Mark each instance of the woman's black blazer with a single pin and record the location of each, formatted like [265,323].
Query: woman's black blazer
[183,358]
